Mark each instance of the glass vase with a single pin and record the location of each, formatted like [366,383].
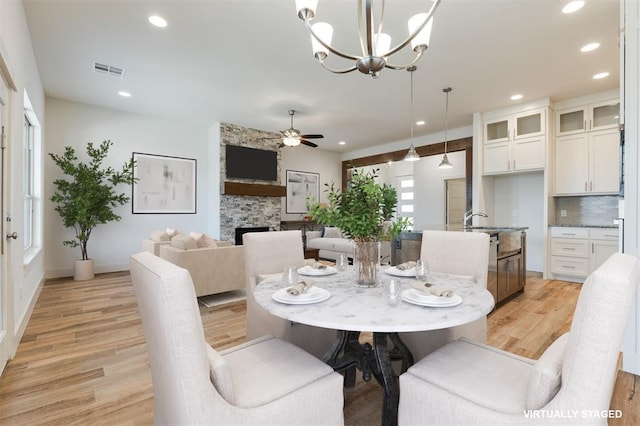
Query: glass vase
[366,258]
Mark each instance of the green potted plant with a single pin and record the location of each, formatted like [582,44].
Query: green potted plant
[364,212]
[87,197]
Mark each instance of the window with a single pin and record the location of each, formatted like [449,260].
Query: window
[27,181]
[404,188]
[31,182]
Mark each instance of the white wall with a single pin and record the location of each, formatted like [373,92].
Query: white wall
[21,281]
[111,244]
[518,201]
[328,164]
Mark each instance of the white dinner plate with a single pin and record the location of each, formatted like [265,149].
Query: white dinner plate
[411,272]
[413,296]
[308,270]
[313,295]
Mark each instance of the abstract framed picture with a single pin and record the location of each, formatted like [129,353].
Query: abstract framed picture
[301,187]
[164,184]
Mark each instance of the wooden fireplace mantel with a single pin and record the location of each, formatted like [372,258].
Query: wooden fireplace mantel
[256,189]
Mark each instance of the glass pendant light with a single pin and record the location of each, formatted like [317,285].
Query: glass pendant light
[412,155]
[445,163]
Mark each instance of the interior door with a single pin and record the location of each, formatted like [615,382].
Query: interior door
[4,300]
[456,200]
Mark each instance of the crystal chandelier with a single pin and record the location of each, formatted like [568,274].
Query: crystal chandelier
[376,45]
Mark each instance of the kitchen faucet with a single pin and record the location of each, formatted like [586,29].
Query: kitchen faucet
[468,215]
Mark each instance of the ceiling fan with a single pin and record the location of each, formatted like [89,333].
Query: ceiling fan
[292,136]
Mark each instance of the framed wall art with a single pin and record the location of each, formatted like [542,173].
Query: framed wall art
[164,184]
[301,186]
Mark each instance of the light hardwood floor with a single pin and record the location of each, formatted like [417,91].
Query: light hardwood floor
[83,358]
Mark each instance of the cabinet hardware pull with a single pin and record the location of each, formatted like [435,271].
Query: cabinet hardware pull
[609,235]
[569,248]
[568,267]
[584,126]
[585,186]
[592,248]
[590,185]
[567,233]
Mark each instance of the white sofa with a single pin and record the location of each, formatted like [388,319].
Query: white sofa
[213,269]
[331,247]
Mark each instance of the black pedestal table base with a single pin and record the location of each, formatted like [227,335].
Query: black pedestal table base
[348,353]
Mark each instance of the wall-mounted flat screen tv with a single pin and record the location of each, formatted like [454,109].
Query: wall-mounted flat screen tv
[251,163]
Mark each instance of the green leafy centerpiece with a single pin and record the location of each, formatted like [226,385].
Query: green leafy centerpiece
[364,212]
[86,196]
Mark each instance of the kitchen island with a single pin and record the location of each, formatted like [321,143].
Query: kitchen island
[507,255]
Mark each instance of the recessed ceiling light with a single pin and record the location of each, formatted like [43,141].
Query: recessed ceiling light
[589,47]
[601,75]
[516,97]
[573,6]
[157,21]
[124,94]
[342,143]
[420,123]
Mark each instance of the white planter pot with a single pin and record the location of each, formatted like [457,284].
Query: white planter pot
[83,270]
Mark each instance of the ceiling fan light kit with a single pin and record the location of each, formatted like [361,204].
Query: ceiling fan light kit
[376,45]
[292,136]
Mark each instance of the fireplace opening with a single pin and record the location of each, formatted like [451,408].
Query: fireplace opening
[241,231]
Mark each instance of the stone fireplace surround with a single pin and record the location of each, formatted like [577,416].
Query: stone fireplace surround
[239,211]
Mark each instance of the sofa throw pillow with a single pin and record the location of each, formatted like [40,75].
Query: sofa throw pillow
[546,375]
[203,240]
[159,236]
[172,232]
[183,242]
[332,232]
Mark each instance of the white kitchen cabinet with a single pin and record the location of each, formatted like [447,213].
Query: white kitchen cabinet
[576,252]
[588,117]
[604,242]
[515,143]
[587,163]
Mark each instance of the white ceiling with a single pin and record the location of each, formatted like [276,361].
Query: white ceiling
[247,62]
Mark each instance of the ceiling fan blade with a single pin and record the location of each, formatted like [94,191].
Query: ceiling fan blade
[312,136]
[307,143]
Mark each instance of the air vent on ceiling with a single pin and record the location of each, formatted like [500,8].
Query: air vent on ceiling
[108,69]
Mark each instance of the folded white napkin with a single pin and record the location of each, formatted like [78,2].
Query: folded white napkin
[406,265]
[432,289]
[318,265]
[300,288]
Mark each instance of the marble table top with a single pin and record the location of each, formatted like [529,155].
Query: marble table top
[353,308]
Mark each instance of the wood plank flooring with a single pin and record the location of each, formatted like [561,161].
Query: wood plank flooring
[83,356]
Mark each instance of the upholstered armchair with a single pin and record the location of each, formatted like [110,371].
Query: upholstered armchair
[459,253]
[267,253]
[265,381]
[470,383]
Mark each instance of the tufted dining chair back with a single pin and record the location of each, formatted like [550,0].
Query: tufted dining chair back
[458,253]
[266,254]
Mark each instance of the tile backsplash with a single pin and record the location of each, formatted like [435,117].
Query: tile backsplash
[591,210]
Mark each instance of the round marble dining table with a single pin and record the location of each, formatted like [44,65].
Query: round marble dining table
[351,309]
[355,308]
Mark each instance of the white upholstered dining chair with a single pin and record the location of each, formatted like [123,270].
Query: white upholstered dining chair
[468,383]
[267,253]
[459,253]
[265,381]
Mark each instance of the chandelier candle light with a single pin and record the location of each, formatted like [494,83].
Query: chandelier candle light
[376,45]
